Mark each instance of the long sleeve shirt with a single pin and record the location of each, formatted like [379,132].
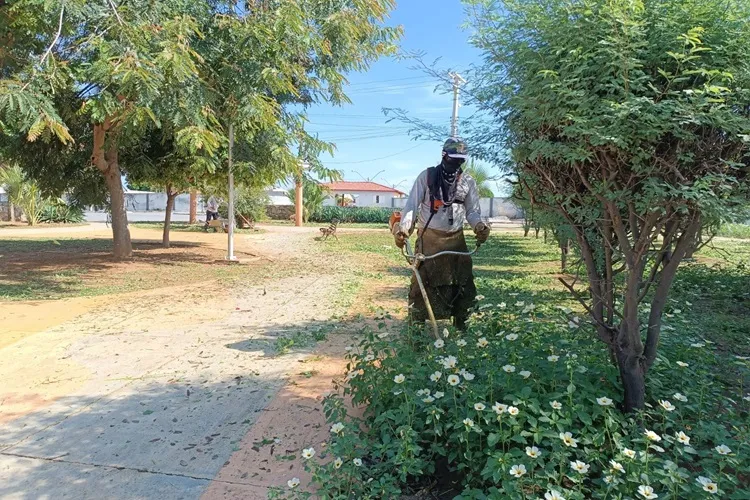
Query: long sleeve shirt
[417,208]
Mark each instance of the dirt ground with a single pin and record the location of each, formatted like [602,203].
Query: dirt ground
[72,365]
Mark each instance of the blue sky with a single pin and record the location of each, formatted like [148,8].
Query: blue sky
[360,130]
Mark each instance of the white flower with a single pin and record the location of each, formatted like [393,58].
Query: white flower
[604,401]
[293,482]
[428,399]
[468,422]
[337,428]
[629,453]
[423,392]
[308,453]
[652,435]
[553,495]
[351,375]
[511,336]
[723,449]
[512,410]
[647,492]
[479,406]
[617,466]
[683,438]
[682,364]
[383,335]
[502,305]
[466,375]
[449,362]
[680,397]
[708,485]
[609,479]
[482,342]
[439,343]
[399,379]
[518,471]
[525,373]
[436,376]
[553,358]
[338,463]
[556,405]
[509,368]
[499,408]
[357,462]
[579,467]
[446,333]
[369,357]
[520,304]
[479,297]
[461,343]
[454,380]
[533,452]
[667,405]
[568,440]
[439,394]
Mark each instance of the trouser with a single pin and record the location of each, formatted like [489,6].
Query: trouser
[448,280]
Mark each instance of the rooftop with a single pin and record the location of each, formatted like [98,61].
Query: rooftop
[361,186]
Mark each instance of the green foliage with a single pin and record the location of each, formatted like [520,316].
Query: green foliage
[482,177]
[249,204]
[734,231]
[352,214]
[411,426]
[59,212]
[313,196]
[627,120]
[23,192]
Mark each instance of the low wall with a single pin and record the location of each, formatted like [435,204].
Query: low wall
[279,212]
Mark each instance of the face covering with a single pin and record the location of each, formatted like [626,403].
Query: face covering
[447,174]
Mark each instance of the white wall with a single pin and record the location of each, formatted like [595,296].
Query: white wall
[501,207]
[365,198]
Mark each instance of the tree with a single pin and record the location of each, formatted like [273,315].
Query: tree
[11,178]
[22,192]
[630,120]
[313,196]
[482,177]
[253,67]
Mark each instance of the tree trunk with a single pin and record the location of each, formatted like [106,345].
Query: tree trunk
[106,160]
[298,202]
[11,211]
[633,377]
[193,207]
[564,250]
[168,216]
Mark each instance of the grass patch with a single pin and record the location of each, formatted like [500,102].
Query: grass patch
[184,227]
[741,231]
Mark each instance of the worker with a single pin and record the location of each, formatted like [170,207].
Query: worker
[212,209]
[442,197]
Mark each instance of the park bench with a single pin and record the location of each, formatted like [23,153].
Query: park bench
[330,230]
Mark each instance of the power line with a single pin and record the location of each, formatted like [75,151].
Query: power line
[391,80]
[372,159]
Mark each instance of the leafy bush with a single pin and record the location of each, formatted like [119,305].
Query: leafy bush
[522,406]
[352,214]
[734,231]
[59,212]
[249,203]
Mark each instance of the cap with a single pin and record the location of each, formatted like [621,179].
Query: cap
[455,148]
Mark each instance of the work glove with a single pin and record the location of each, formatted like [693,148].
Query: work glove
[482,231]
[400,238]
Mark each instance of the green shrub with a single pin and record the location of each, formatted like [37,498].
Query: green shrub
[59,212]
[352,214]
[494,405]
[249,203]
[741,231]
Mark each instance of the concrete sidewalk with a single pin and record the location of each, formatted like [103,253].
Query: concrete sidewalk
[156,408]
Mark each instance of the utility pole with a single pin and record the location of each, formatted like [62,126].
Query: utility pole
[230,232]
[457,81]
